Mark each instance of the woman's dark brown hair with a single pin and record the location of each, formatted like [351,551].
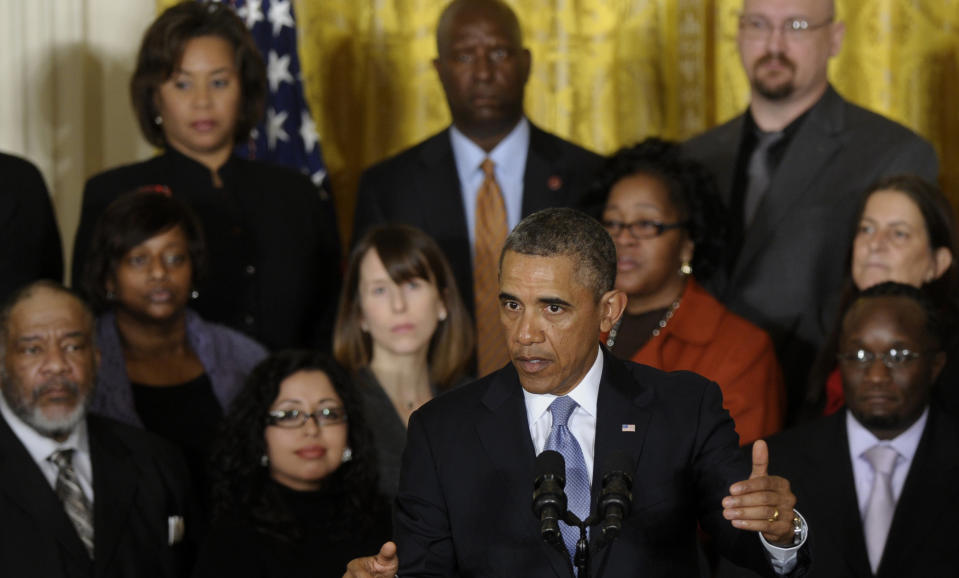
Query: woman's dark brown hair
[407,253]
[128,221]
[161,52]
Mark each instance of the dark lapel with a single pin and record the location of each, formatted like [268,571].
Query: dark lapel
[504,433]
[622,406]
[931,481]
[23,483]
[114,486]
[816,142]
[728,138]
[438,194]
[543,186]
[837,501]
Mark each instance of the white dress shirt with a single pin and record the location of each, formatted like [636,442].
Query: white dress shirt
[41,447]
[861,439]
[509,160]
[581,423]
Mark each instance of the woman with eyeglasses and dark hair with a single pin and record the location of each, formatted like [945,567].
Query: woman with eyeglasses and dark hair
[198,90]
[294,476]
[666,220]
[163,367]
[906,232]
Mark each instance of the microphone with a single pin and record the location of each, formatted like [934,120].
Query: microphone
[549,499]
[616,498]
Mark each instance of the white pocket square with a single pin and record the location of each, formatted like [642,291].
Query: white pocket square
[175,528]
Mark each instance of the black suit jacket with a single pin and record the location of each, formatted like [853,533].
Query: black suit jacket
[789,271]
[464,503]
[420,187]
[921,542]
[138,482]
[29,239]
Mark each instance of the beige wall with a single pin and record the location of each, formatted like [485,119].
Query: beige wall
[65,66]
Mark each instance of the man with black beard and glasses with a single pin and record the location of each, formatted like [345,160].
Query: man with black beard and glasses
[80,495]
[791,169]
[887,504]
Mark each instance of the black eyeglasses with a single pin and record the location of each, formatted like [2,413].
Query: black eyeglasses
[642,229]
[293,418]
[892,359]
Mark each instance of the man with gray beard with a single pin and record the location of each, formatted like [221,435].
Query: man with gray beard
[80,495]
[791,170]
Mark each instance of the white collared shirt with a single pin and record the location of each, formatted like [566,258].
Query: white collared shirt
[509,160]
[861,439]
[582,422]
[41,447]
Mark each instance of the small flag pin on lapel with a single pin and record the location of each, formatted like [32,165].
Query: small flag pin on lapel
[554,183]
[629,427]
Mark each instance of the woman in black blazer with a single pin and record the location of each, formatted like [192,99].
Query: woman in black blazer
[274,252]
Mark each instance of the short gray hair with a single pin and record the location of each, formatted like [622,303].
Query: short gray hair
[567,232]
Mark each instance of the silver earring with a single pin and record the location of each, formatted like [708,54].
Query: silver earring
[686,269]
[194,294]
[264,460]
[158,120]
[347,455]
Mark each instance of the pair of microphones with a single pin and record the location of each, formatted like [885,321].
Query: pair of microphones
[549,498]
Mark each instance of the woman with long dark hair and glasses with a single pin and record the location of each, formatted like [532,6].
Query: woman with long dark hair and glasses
[294,475]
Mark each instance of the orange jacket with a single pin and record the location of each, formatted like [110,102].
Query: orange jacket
[705,337]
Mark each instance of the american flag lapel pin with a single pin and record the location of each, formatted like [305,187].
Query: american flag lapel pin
[630,427]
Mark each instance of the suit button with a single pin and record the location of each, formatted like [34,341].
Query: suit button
[248,319]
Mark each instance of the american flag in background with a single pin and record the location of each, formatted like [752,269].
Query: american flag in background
[287,134]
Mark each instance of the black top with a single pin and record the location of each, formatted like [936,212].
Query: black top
[235,548]
[186,415]
[635,330]
[29,238]
[273,247]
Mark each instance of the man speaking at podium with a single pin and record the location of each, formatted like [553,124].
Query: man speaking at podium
[464,504]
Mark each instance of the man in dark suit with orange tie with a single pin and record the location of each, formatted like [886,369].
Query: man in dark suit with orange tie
[470,184]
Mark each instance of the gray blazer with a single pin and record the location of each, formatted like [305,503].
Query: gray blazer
[788,273]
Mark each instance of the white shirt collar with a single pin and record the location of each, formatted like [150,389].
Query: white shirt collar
[585,393]
[40,446]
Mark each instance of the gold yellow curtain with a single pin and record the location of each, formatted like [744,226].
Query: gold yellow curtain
[607,73]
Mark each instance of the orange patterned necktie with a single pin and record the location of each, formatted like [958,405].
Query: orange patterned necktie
[491,231]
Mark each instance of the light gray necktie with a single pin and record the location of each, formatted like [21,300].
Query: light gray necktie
[74,500]
[759,173]
[881,505]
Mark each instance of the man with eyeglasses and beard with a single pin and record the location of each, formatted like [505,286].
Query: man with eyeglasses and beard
[878,481]
[791,169]
[80,495]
